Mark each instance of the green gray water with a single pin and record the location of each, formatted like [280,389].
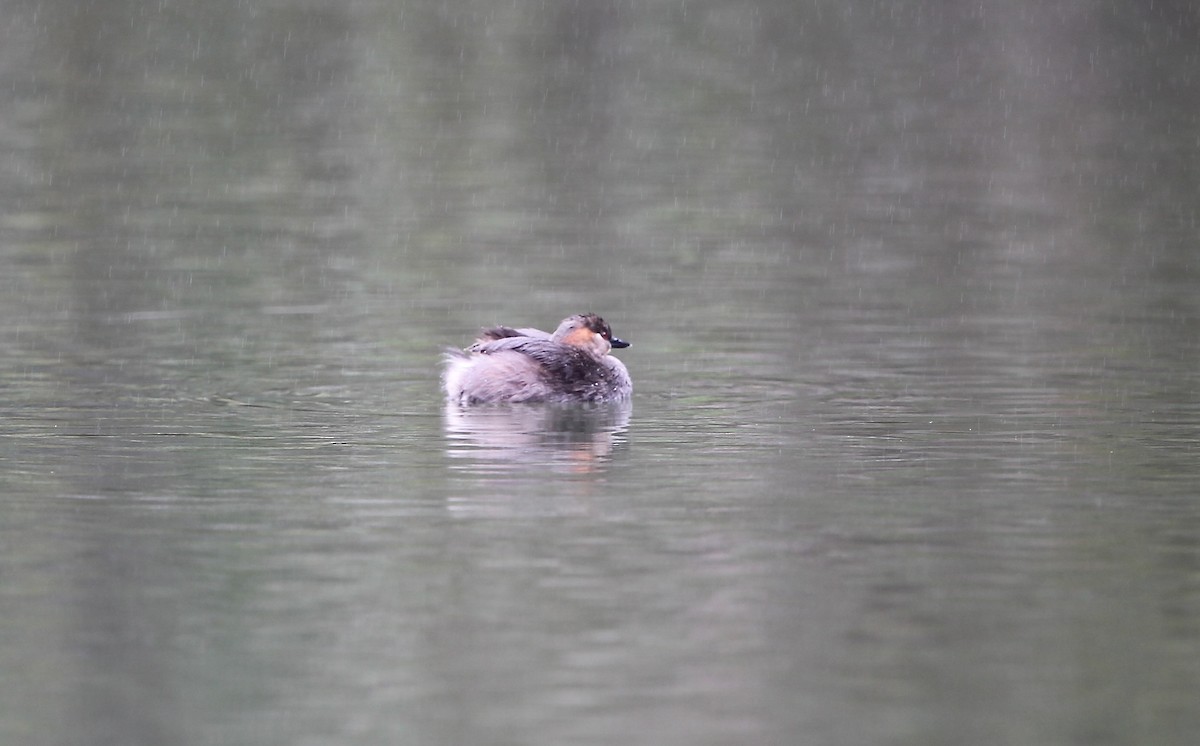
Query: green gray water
[913,293]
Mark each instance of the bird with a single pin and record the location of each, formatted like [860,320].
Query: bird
[508,365]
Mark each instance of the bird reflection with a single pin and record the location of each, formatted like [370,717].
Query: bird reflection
[573,438]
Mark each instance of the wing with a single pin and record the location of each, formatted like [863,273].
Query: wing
[566,368]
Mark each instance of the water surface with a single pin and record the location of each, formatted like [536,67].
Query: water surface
[913,296]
